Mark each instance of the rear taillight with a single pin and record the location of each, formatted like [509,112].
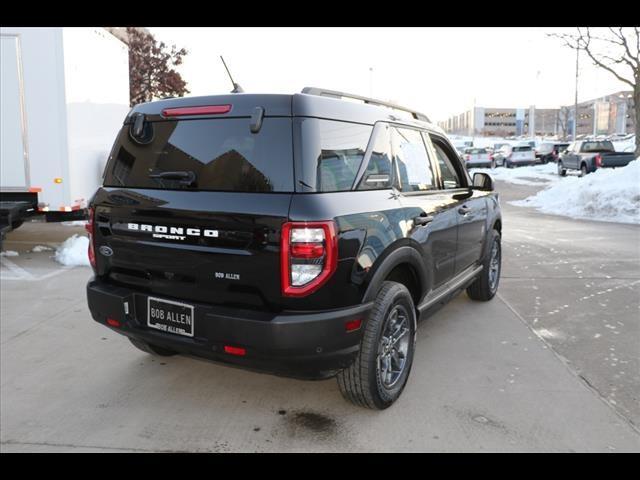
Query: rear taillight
[467,157]
[308,256]
[90,229]
[598,161]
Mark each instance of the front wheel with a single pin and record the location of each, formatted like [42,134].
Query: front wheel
[561,170]
[380,371]
[485,286]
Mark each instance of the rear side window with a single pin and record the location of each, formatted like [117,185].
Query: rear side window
[328,153]
[342,149]
[207,154]
[412,162]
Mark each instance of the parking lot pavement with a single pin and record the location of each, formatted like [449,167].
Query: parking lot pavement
[482,380]
[577,285]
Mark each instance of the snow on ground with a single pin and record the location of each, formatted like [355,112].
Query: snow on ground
[75,223]
[611,195]
[532,175]
[9,253]
[73,252]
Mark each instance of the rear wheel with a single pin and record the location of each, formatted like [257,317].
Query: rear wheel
[485,286]
[583,170]
[561,170]
[152,349]
[381,369]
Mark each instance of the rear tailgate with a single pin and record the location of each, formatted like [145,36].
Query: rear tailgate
[617,159]
[211,247]
[192,207]
[520,154]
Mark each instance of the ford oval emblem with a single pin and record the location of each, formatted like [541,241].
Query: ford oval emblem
[106,251]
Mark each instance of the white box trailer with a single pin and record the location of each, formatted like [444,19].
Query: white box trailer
[64,95]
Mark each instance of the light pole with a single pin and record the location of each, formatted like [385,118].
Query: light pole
[575,106]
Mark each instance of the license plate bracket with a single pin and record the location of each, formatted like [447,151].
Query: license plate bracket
[170,316]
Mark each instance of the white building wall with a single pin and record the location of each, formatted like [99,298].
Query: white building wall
[96,66]
[44,105]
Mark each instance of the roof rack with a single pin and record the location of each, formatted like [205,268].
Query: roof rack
[323,92]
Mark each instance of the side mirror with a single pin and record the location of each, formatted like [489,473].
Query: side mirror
[482,181]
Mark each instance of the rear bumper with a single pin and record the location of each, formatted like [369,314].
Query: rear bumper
[479,164]
[302,345]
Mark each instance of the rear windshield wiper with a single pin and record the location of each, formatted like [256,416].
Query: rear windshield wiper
[186,178]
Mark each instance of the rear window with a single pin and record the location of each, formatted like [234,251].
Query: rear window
[222,154]
[605,146]
[476,151]
[526,148]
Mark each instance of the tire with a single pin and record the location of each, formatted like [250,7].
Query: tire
[364,383]
[583,170]
[485,286]
[151,349]
[561,170]
[16,223]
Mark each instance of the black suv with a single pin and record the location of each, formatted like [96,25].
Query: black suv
[301,235]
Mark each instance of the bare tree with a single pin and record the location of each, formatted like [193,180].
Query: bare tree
[616,50]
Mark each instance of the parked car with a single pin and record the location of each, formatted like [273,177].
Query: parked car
[294,234]
[549,151]
[588,156]
[516,156]
[478,157]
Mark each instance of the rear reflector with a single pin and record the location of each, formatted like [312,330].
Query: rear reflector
[234,350]
[202,110]
[307,250]
[113,322]
[352,325]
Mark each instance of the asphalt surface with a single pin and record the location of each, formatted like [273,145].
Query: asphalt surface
[551,364]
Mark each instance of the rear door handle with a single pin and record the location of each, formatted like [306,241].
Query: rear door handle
[422,219]
[463,210]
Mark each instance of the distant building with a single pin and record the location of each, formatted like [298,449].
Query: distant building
[606,115]
[490,121]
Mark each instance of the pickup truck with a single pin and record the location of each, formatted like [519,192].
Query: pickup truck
[589,155]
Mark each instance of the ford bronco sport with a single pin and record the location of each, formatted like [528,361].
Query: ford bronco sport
[300,235]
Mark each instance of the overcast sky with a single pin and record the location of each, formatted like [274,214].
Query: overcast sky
[439,71]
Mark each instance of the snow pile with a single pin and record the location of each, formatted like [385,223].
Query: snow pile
[75,223]
[40,248]
[73,252]
[611,195]
[531,175]
[9,253]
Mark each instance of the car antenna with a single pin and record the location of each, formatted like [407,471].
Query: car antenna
[236,88]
